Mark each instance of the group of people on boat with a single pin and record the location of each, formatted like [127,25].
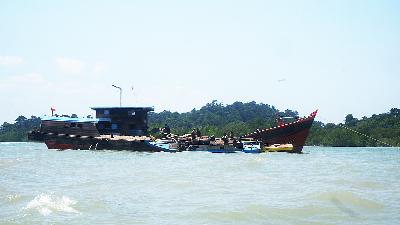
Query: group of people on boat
[195,138]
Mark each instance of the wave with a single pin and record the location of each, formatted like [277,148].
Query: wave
[46,204]
[349,198]
[264,214]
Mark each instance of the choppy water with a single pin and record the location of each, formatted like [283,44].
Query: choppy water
[324,186]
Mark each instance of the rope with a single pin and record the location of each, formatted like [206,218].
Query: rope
[359,133]
[364,135]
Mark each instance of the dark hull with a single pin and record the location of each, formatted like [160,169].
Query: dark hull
[62,142]
[294,133]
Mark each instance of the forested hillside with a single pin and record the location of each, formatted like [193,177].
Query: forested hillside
[18,130]
[216,119]
[385,127]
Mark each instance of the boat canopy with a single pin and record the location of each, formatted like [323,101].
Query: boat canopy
[124,108]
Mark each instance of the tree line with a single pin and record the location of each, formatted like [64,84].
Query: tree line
[384,127]
[240,118]
[17,132]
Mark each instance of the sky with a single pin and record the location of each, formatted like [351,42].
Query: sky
[340,57]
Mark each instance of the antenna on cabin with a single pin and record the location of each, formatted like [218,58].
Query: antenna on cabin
[120,94]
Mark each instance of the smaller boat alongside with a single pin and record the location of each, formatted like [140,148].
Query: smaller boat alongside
[213,148]
[250,145]
[191,142]
[166,145]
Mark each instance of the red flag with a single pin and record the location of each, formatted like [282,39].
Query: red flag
[313,114]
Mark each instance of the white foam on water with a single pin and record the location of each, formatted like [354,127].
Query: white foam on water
[13,197]
[46,204]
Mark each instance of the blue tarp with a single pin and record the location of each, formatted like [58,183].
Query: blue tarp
[74,120]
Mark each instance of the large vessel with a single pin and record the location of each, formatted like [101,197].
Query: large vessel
[294,133]
[114,128]
[125,128]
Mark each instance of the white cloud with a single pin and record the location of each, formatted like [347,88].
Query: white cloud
[11,60]
[29,78]
[69,65]
[17,82]
[99,68]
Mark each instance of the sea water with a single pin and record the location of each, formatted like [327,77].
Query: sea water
[322,186]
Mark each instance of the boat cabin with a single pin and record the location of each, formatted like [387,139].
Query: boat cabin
[69,126]
[125,121]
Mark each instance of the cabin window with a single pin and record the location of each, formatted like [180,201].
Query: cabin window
[106,112]
[73,124]
[131,113]
[114,126]
[79,125]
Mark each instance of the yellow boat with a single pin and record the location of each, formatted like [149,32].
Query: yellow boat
[278,148]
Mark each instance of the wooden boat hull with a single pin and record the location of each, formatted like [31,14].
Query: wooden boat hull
[294,133]
[63,142]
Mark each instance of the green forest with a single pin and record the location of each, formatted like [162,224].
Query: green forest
[16,132]
[216,119]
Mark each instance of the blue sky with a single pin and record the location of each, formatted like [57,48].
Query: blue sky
[336,56]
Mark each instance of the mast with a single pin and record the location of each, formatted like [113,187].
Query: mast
[120,95]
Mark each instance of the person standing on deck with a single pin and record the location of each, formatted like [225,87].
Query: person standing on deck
[198,133]
[193,134]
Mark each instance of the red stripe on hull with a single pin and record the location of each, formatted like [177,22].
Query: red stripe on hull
[55,145]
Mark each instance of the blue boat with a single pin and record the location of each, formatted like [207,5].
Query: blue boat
[251,146]
[213,148]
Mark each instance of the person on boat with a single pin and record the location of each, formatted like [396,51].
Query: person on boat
[193,134]
[212,138]
[198,133]
[165,131]
[225,139]
[231,138]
